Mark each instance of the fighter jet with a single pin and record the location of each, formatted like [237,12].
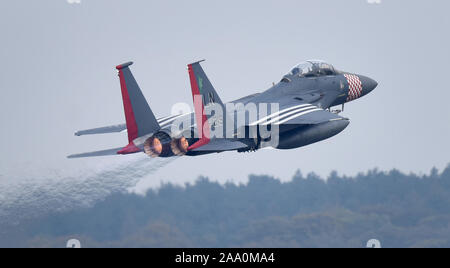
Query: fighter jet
[293,113]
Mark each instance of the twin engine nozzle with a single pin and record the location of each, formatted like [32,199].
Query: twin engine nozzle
[162,145]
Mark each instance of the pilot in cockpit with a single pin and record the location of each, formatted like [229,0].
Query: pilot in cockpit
[312,68]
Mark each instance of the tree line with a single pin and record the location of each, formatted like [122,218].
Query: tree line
[398,209]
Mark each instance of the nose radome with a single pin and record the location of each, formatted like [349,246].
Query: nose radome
[368,84]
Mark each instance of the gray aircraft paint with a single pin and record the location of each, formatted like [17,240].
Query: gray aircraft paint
[59,78]
[301,119]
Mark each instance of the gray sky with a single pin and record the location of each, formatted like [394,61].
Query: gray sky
[57,76]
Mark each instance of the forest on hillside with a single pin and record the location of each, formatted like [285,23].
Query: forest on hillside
[398,209]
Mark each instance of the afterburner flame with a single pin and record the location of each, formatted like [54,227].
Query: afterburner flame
[153,147]
[179,146]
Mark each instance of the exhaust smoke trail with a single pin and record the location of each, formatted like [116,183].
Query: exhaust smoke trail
[31,197]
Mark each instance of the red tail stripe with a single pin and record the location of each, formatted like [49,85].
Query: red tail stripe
[129,113]
[202,120]
[129,149]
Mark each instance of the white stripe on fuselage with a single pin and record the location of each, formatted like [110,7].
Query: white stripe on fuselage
[297,115]
[164,121]
[170,121]
[291,110]
[277,113]
[281,117]
[165,118]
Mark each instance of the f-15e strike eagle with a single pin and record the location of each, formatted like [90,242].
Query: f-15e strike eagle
[293,113]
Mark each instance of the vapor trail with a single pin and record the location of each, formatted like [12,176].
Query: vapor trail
[35,196]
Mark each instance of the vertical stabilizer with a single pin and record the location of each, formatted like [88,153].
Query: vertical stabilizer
[139,117]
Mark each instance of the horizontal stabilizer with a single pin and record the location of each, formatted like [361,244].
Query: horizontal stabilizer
[164,121]
[97,153]
[102,130]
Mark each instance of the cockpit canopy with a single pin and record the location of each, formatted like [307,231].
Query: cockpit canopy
[312,68]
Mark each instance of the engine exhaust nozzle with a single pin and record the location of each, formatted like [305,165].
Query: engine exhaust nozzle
[179,146]
[153,147]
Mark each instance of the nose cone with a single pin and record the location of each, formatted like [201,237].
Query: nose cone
[368,84]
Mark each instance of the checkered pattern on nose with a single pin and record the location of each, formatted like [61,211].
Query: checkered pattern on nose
[354,87]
